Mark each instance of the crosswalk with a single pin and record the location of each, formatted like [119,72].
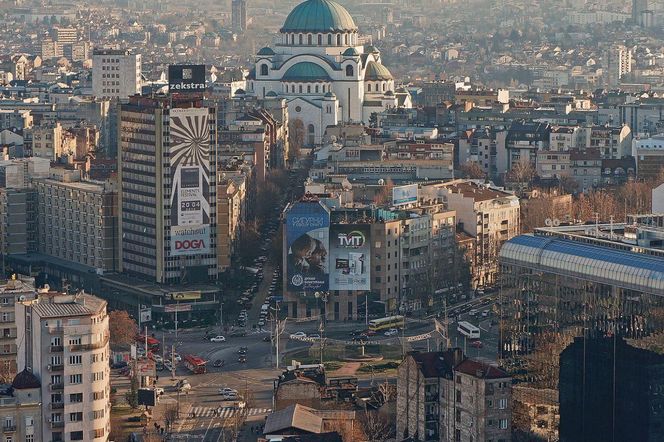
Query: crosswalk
[226,412]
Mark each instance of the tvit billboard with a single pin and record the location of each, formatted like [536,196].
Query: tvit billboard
[306,251]
[350,251]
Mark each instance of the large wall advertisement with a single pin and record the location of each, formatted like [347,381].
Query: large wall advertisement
[190,180]
[186,78]
[307,239]
[350,252]
[403,195]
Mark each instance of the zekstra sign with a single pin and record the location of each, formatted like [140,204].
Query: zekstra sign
[186,78]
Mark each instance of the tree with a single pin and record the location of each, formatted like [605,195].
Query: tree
[472,170]
[122,327]
[132,395]
[384,195]
[250,243]
[537,209]
[170,416]
[295,139]
[373,120]
[522,172]
[376,426]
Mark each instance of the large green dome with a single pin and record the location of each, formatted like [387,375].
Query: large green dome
[376,71]
[319,16]
[306,71]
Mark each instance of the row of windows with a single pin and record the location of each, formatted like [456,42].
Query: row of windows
[340,39]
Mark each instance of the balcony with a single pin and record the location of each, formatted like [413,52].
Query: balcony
[7,337]
[8,428]
[56,349]
[55,330]
[57,387]
[89,347]
[59,424]
[56,367]
[57,405]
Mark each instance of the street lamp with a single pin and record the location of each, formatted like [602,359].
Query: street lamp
[322,304]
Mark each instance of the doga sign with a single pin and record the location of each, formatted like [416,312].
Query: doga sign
[187,240]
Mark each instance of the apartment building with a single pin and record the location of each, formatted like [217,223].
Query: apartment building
[20,408]
[231,215]
[445,396]
[115,73]
[11,291]
[649,153]
[490,216]
[64,343]
[167,170]
[46,140]
[78,221]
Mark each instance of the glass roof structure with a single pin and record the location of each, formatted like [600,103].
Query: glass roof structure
[594,263]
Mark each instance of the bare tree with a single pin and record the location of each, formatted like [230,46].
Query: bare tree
[376,426]
[472,170]
[521,174]
[170,416]
[384,196]
[122,327]
[296,139]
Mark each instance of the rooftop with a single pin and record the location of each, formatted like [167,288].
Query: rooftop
[57,305]
[319,16]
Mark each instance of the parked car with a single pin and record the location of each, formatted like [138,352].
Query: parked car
[298,335]
[477,344]
[226,391]
[218,339]
[392,332]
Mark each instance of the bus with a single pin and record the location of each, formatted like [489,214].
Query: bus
[153,344]
[195,364]
[386,323]
[468,330]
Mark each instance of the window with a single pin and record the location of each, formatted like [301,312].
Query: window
[502,404]
[338,39]
[75,341]
[369,87]
[29,438]
[98,376]
[349,70]
[300,38]
[309,41]
[76,397]
[98,395]
[98,414]
[76,417]
[75,360]
[457,416]
[458,395]
[503,424]
[75,378]
[264,69]
[99,432]
[320,40]
[76,435]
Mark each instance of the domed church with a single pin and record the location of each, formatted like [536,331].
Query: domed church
[318,66]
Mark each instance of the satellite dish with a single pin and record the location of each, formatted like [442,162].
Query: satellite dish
[381,182]
[567,218]
[556,222]
[548,222]
[534,193]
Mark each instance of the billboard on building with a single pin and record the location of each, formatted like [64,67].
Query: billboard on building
[186,78]
[185,296]
[402,195]
[307,241]
[190,180]
[350,252]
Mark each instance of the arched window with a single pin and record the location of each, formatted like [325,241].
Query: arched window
[293,88]
[300,88]
[349,70]
[264,69]
[308,89]
[320,40]
[383,86]
[369,87]
[338,39]
[329,39]
[316,88]
[311,130]
[309,41]
[346,39]
[292,39]
[300,38]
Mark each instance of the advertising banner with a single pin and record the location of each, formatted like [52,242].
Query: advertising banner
[190,178]
[307,241]
[185,296]
[186,78]
[402,195]
[350,252]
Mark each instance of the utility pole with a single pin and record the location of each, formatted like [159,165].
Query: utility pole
[173,362]
[366,308]
[177,307]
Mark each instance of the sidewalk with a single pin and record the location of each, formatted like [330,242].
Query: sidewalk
[348,369]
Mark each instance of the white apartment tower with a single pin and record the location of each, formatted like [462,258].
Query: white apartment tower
[617,63]
[63,340]
[115,73]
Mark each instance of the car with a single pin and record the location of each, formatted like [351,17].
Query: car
[184,387]
[159,366]
[119,364]
[175,356]
[298,335]
[314,336]
[477,344]
[356,332]
[242,350]
[218,363]
[218,339]
[155,357]
[233,396]
[267,338]
[371,332]
[242,359]
[226,391]
[261,322]
[238,334]
[472,313]
[392,332]
[485,313]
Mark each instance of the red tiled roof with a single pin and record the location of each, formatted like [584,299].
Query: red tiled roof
[479,369]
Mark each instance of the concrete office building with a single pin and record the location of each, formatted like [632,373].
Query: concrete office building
[78,222]
[649,153]
[445,396]
[64,343]
[115,73]
[239,15]
[167,208]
